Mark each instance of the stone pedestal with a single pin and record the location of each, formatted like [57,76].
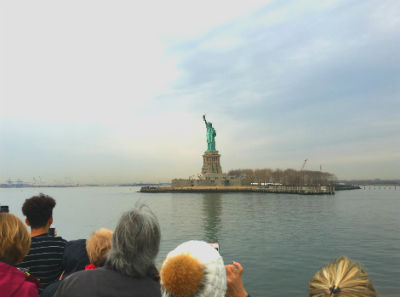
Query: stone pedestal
[211,163]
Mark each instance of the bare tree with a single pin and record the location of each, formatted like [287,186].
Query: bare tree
[289,176]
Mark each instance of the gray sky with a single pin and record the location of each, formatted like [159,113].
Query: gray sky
[114,91]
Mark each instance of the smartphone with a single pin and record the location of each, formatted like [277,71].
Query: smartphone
[52,231]
[4,208]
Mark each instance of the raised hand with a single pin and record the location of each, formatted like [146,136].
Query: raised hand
[234,281]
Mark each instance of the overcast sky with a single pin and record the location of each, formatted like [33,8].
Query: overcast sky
[114,91]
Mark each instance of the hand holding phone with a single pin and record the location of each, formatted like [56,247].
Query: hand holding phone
[4,208]
[52,232]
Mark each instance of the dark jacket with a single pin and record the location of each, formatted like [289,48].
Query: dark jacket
[104,282]
[75,259]
[75,256]
[14,283]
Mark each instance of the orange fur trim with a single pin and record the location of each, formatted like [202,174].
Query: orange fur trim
[182,275]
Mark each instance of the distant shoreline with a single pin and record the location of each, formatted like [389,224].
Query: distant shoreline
[6,186]
[340,185]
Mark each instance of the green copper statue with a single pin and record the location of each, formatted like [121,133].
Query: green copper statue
[210,136]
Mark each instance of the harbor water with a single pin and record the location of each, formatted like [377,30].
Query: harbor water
[280,239]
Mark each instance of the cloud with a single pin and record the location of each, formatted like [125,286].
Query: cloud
[119,89]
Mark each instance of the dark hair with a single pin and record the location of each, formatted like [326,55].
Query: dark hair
[38,210]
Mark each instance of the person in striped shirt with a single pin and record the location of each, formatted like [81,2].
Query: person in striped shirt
[45,257]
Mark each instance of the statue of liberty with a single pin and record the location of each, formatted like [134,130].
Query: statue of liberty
[210,136]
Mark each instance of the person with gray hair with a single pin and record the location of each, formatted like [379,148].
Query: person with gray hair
[129,268]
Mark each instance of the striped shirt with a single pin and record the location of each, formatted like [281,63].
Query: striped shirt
[45,258]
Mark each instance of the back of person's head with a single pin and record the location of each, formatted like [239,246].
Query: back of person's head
[193,269]
[38,210]
[98,245]
[15,240]
[135,242]
[341,277]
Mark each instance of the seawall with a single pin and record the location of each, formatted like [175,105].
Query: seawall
[303,190]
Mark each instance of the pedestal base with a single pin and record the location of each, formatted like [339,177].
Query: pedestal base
[211,163]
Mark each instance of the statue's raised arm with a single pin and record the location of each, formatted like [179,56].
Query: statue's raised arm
[204,118]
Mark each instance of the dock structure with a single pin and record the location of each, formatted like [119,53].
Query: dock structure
[302,190]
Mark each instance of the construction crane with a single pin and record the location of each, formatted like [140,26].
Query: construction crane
[304,164]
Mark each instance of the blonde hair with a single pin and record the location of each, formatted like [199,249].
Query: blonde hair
[15,240]
[341,277]
[98,245]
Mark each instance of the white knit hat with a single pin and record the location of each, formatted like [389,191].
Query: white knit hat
[193,269]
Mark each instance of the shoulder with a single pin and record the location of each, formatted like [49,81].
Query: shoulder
[81,283]
[106,282]
[18,279]
[46,242]
[45,238]
[58,239]
[28,289]
[83,276]
[75,244]
[70,285]
[54,241]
